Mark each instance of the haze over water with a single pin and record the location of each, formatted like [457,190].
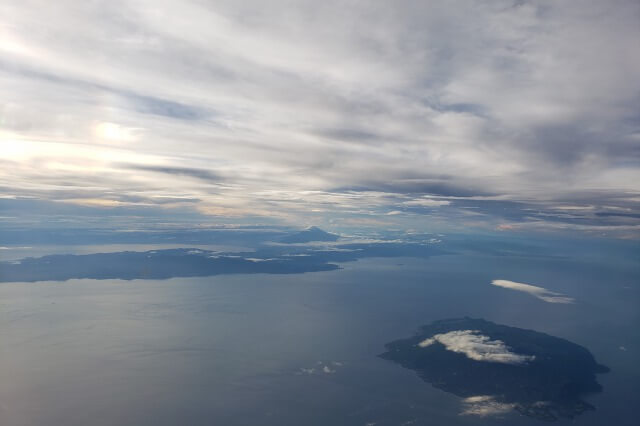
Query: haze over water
[295,348]
[302,212]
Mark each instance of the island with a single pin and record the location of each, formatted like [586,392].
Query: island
[195,262]
[497,368]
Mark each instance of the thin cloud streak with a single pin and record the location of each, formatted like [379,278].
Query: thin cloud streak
[535,291]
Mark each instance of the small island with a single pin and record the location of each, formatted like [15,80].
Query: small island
[497,368]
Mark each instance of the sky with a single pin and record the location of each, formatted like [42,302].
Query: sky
[495,115]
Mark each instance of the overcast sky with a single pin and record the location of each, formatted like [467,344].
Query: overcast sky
[497,114]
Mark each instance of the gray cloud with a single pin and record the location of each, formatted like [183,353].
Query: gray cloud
[145,104]
[203,174]
[313,107]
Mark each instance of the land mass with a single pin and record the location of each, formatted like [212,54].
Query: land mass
[190,262]
[546,381]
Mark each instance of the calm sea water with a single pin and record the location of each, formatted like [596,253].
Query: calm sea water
[295,349]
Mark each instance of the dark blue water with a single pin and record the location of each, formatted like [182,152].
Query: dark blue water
[296,349]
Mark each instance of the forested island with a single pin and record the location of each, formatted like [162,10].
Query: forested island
[539,375]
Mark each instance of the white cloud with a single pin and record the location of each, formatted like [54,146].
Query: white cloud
[327,370]
[426,202]
[322,368]
[483,406]
[539,292]
[427,342]
[477,347]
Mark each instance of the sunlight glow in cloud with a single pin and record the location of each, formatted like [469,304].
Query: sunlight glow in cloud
[114,132]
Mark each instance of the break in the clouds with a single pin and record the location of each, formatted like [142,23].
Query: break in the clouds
[509,114]
[539,292]
[476,346]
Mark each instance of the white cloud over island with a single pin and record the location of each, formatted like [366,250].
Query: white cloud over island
[539,292]
[477,347]
[484,405]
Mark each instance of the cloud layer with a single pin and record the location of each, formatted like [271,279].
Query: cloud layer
[477,347]
[539,292]
[458,111]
